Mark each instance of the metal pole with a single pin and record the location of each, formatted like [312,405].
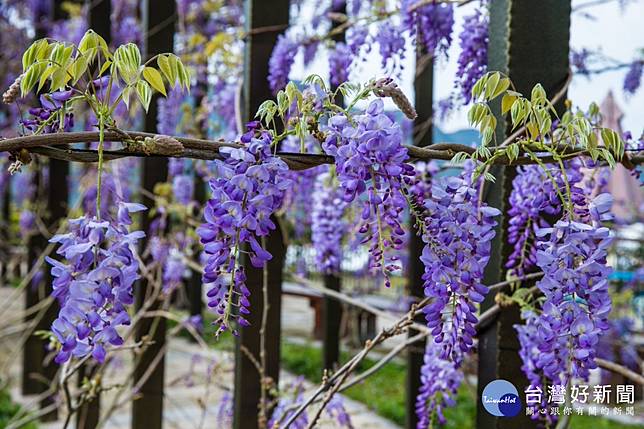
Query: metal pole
[513,50]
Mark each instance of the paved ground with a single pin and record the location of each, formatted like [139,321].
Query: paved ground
[196,379]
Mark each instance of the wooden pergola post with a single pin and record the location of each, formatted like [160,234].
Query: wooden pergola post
[422,135]
[331,307]
[258,48]
[159,19]
[527,61]
[195,283]
[38,372]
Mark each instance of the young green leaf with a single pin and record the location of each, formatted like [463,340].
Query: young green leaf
[153,77]
[144,94]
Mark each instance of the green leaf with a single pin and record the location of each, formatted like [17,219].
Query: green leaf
[155,80]
[477,88]
[126,94]
[613,142]
[45,75]
[79,68]
[163,61]
[104,67]
[127,60]
[489,177]
[38,50]
[59,79]
[31,77]
[184,75]
[491,84]
[538,94]
[487,134]
[507,102]
[88,44]
[282,102]
[513,151]
[501,87]
[174,66]
[144,94]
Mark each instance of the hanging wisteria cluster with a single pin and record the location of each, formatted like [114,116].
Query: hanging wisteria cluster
[249,188]
[370,157]
[94,284]
[328,224]
[572,254]
[457,232]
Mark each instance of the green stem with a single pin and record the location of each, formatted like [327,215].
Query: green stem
[567,183]
[101,136]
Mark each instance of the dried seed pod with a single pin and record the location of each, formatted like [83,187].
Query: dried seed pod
[386,87]
[13,92]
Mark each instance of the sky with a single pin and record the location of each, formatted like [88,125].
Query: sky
[615,32]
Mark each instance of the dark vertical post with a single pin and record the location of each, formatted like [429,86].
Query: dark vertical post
[100,18]
[258,48]
[195,284]
[36,372]
[513,24]
[6,230]
[331,307]
[422,135]
[147,412]
[88,414]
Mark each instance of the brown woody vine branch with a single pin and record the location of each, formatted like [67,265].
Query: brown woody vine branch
[49,145]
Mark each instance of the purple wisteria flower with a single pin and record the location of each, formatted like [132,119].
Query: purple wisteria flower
[528,335]
[310,50]
[457,235]
[169,112]
[280,63]
[297,205]
[125,25]
[94,284]
[183,187]
[527,214]
[225,410]
[249,188]
[370,158]
[294,394]
[27,223]
[439,382]
[432,23]
[45,119]
[357,39]
[472,61]
[579,60]
[531,211]
[340,59]
[328,226]
[633,78]
[572,255]
[391,44]
[174,269]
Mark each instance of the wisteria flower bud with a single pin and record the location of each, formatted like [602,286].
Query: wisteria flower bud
[11,94]
[386,87]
